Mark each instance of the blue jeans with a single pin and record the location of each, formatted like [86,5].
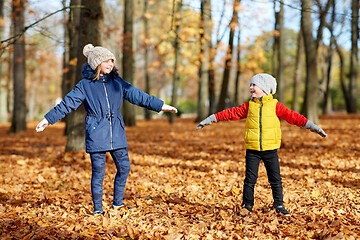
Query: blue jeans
[271,162]
[122,163]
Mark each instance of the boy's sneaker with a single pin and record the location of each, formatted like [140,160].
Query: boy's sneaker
[245,210]
[281,209]
[248,207]
[119,207]
[98,213]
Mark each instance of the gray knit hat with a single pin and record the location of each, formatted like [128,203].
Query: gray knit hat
[265,82]
[97,55]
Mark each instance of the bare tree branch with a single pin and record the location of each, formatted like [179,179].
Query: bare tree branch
[7,42]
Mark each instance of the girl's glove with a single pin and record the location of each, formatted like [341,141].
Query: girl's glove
[42,125]
[168,108]
[314,128]
[207,121]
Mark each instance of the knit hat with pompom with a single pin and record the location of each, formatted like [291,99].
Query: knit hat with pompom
[265,82]
[97,55]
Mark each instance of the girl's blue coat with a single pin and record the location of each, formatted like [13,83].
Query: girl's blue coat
[104,125]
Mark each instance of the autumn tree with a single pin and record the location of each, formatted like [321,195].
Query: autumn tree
[298,72]
[91,31]
[312,84]
[71,39]
[128,61]
[354,57]
[18,122]
[226,75]
[177,6]
[327,105]
[238,70]
[212,64]
[65,83]
[146,56]
[205,38]
[3,95]
[279,48]
[310,108]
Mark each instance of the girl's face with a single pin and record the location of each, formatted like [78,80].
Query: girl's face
[256,91]
[106,66]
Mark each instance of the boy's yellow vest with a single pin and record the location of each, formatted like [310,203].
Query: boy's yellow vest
[262,129]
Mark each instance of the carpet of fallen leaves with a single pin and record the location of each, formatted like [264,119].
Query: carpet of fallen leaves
[184,184]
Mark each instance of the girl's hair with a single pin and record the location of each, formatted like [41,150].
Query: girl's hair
[98,71]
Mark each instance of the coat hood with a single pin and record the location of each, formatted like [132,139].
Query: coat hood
[88,73]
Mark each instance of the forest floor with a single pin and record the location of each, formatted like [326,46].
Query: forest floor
[183,184]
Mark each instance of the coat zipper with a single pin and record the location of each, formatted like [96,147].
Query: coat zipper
[107,100]
[260,124]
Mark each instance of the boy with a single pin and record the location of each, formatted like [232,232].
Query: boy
[262,136]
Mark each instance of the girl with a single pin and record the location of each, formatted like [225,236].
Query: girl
[102,91]
[262,136]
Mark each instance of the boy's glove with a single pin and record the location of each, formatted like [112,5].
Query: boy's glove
[314,128]
[207,121]
[42,125]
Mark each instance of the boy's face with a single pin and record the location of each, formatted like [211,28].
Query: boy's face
[256,91]
[107,66]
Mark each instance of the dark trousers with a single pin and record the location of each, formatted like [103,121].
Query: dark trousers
[271,162]
[122,163]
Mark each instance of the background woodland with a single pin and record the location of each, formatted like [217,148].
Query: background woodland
[197,55]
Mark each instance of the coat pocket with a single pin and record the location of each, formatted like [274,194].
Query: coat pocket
[122,124]
[93,127]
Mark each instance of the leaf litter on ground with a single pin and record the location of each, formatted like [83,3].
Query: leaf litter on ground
[183,184]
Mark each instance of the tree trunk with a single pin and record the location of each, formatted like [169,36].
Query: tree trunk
[19,113]
[91,31]
[146,56]
[354,56]
[66,54]
[212,65]
[327,106]
[211,84]
[71,43]
[298,72]
[312,85]
[128,60]
[10,81]
[342,75]
[3,90]
[205,38]
[279,53]
[226,76]
[176,77]
[311,46]
[238,71]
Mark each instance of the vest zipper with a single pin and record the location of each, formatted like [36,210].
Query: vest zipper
[107,100]
[260,123]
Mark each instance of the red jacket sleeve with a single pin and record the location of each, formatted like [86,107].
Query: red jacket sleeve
[290,116]
[234,113]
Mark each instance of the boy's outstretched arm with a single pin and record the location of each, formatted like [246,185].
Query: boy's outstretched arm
[314,128]
[297,119]
[230,114]
[207,121]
